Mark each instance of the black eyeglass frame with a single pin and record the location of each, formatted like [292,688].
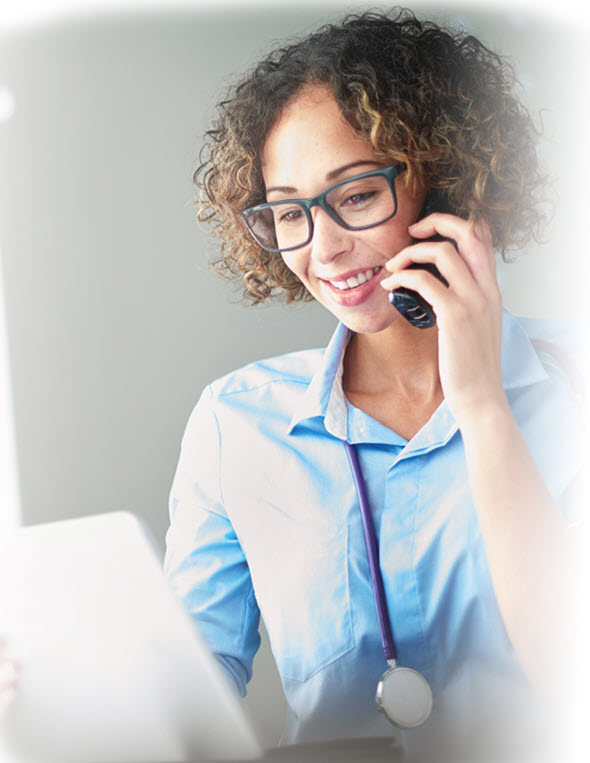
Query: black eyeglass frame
[390,173]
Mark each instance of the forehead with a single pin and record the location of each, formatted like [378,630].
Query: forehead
[309,139]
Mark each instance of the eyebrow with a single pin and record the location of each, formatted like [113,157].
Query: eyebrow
[332,175]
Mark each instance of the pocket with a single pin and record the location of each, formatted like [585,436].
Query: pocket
[306,607]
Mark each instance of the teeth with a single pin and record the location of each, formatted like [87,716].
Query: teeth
[354,281]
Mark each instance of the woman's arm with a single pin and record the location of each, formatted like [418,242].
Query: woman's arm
[204,561]
[532,554]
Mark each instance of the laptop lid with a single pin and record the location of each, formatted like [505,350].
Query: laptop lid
[113,668]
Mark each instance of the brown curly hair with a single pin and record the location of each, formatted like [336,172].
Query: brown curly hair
[432,97]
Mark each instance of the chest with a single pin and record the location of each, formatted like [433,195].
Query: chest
[301,532]
[397,412]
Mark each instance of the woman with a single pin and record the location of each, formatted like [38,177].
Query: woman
[320,177]
[317,175]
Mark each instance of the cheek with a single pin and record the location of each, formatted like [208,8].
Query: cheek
[390,240]
[295,263]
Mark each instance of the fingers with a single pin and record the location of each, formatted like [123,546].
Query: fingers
[469,258]
[441,253]
[460,230]
[473,242]
[8,685]
[7,697]
[427,285]
[469,268]
[9,676]
[9,672]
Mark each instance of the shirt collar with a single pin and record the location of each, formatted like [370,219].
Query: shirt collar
[521,365]
[325,399]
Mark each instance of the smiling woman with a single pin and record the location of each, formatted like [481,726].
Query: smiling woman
[378,154]
[457,89]
[309,146]
[345,166]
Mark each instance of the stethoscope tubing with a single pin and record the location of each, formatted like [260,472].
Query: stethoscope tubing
[387,640]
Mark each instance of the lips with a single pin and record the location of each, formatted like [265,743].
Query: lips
[352,289]
[355,280]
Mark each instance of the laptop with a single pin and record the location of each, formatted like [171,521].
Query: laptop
[113,668]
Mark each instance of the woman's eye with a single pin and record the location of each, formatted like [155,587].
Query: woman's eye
[359,198]
[289,215]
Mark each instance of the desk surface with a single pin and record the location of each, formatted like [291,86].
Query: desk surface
[375,750]
[365,750]
[387,750]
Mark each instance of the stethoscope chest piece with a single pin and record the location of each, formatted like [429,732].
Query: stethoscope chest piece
[404,697]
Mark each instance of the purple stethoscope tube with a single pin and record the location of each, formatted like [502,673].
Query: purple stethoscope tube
[373,555]
[403,694]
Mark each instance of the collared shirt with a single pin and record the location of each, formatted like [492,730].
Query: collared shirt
[265,519]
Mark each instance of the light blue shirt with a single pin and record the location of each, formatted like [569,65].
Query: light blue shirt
[265,519]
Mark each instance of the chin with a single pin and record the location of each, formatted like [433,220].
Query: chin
[376,314]
[370,324]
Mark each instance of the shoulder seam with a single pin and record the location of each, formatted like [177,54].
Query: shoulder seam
[252,388]
[560,361]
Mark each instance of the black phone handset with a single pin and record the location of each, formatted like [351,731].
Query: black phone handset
[409,304]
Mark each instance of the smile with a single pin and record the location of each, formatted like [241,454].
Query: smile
[354,281]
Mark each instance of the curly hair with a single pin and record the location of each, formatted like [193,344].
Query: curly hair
[434,98]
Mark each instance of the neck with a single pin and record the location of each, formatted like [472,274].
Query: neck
[401,360]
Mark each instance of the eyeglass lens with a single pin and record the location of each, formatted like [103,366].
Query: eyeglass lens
[359,204]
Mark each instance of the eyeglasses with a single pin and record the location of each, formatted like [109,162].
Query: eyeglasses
[356,203]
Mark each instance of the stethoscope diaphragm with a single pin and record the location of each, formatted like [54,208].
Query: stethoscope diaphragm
[404,697]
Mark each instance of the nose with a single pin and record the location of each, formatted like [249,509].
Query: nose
[329,239]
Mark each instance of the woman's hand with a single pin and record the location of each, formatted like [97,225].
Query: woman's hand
[531,552]
[9,672]
[468,311]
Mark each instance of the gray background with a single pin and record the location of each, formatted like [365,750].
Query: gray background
[114,320]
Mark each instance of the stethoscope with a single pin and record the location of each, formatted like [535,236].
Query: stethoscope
[403,695]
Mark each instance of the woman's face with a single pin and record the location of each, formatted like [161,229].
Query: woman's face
[309,148]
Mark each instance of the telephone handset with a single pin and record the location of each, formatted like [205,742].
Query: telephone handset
[409,304]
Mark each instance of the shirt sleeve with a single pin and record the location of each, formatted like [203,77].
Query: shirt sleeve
[565,359]
[204,559]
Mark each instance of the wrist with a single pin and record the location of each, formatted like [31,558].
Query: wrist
[487,416]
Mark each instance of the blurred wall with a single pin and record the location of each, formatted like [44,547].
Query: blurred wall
[114,321]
